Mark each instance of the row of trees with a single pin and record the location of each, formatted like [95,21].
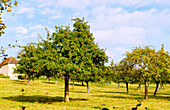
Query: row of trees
[74,55]
[144,65]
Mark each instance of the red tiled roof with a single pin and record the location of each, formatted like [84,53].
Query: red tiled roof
[10,60]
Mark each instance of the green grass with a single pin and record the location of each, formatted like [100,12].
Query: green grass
[43,95]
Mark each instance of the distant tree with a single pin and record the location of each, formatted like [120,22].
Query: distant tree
[161,68]
[126,71]
[143,58]
[28,61]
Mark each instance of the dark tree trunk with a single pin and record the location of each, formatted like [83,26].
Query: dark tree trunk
[73,84]
[55,80]
[139,87]
[157,88]
[66,95]
[82,83]
[127,87]
[87,86]
[146,90]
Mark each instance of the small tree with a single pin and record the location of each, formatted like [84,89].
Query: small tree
[28,61]
[144,61]
[161,68]
[126,70]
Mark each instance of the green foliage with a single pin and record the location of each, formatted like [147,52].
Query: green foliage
[71,53]
[143,65]
[21,77]
[28,63]
[3,76]
[161,66]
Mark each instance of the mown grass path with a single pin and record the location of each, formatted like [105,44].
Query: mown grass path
[43,95]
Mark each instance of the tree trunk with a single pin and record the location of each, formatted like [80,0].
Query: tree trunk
[55,80]
[139,87]
[157,88]
[127,87]
[146,90]
[48,79]
[87,86]
[28,81]
[97,83]
[118,84]
[161,85]
[73,84]
[66,95]
[25,79]
[82,83]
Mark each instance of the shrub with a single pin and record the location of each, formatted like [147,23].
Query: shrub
[42,78]
[2,74]
[21,77]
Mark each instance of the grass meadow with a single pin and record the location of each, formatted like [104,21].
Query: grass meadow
[43,95]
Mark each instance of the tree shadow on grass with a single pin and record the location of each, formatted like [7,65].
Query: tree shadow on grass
[135,96]
[160,97]
[111,92]
[19,82]
[163,93]
[40,99]
[78,91]
[48,82]
[77,84]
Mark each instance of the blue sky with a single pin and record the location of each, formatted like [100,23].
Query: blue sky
[117,25]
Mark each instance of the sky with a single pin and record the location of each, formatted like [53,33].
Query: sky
[117,25]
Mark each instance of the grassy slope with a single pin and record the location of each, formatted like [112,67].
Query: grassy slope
[41,95]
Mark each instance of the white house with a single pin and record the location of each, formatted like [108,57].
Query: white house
[7,67]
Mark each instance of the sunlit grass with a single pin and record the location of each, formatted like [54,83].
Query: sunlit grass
[43,95]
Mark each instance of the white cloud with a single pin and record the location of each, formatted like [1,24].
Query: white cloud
[59,15]
[24,9]
[21,30]
[48,11]
[44,3]
[74,3]
[122,35]
[34,34]
[117,17]
[121,50]
[37,27]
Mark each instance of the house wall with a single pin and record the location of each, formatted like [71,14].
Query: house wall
[4,70]
[8,70]
[11,69]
